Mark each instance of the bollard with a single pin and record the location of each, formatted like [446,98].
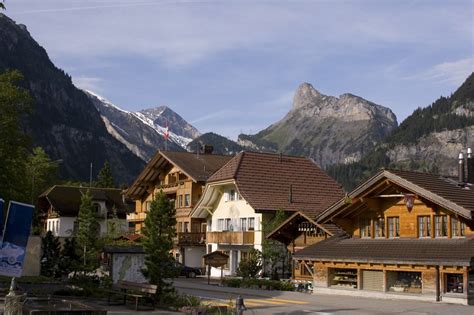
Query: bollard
[13,301]
[239,305]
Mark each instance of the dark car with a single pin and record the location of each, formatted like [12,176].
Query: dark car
[188,272]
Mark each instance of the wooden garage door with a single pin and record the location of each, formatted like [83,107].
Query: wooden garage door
[372,280]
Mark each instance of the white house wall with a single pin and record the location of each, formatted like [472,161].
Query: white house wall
[234,210]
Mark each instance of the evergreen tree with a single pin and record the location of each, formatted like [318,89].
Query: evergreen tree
[159,231]
[70,257]
[105,178]
[14,143]
[113,224]
[50,258]
[87,230]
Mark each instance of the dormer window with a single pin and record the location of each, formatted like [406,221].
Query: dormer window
[231,195]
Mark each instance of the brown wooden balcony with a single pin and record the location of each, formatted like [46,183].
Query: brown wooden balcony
[136,217]
[231,238]
[191,238]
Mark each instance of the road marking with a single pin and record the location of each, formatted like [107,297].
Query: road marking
[290,301]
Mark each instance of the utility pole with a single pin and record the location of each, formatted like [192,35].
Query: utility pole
[90,177]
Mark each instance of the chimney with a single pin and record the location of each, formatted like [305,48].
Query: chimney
[461,168]
[280,157]
[470,166]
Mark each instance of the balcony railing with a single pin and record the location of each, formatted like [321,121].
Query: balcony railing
[191,238]
[132,217]
[231,238]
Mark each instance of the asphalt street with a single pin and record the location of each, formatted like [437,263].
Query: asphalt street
[294,303]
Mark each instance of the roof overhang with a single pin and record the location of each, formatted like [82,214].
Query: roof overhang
[212,192]
[466,263]
[288,229]
[387,178]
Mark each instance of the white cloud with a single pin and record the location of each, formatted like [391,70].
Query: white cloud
[88,83]
[451,72]
[181,33]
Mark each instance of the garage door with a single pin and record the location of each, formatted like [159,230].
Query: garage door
[372,280]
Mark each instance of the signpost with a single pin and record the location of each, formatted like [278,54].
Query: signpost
[215,259]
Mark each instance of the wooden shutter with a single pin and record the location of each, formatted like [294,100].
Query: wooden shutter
[372,280]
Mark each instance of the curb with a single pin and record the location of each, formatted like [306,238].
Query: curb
[220,289]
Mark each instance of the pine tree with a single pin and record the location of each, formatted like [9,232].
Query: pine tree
[159,231]
[250,267]
[87,229]
[105,178]
[70,257]
[50,257]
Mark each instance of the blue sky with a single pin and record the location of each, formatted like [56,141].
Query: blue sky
[233,66]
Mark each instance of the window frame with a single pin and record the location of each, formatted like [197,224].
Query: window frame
[423,226]
[441,223]
[396,226]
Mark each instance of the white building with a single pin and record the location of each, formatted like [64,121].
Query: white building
[248,191]
[62,203]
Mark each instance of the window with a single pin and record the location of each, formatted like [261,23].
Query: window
[441,226]
[147,206]
[424,226]
[393,227]
[180,227]
[251,222]
[364,225]
[186,227]
[243,224]
[180,201]
[187,200]
[231,195]
[227,225]
[379,227]
[457,227]
[220,224]
[226,266]
[244,255]
[454,283]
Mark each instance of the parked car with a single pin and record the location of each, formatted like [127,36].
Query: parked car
[188,272]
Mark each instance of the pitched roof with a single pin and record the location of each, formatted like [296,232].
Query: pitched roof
[417,251]
[443,191]
[66,200]
[288,230]
[197,167]
[265,180]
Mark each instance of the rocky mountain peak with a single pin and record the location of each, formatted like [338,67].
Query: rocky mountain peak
[304,95]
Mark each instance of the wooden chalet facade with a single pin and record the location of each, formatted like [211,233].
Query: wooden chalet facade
[402,235]
[181,176]
[247,192]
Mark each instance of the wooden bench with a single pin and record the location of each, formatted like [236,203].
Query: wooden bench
[135,290]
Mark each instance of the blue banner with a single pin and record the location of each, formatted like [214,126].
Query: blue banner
[2,202]
[15,238]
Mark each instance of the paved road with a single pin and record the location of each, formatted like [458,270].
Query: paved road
[295,303]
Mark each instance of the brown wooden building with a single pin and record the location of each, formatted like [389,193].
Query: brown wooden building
[406,235]
[181,176]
